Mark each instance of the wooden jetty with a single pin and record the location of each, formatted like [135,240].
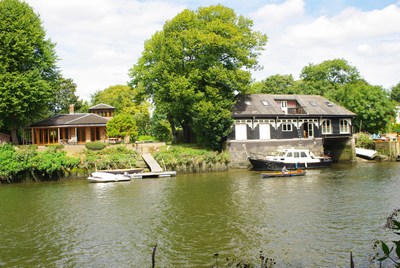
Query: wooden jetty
[122,171]
[156,171]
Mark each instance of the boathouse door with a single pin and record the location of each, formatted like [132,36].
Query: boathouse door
[240,132]
[309,130]
[265,131]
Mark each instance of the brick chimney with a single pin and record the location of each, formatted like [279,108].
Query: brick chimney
[71,109]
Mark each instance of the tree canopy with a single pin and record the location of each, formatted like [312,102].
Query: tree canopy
[371,104]
[27,66]
[122,126]
[194,67]
[275,84]
[124,99]
[64,94]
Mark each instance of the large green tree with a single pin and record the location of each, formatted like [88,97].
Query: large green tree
[372,105]
[326,77]
[64,94]
[194,67]
[122,126]
[27,66]
[275,84]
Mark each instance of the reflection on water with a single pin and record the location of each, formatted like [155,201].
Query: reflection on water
[310,221]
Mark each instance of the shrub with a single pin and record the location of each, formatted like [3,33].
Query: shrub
[96,145]
[384,252]
[146,138]
[363,140]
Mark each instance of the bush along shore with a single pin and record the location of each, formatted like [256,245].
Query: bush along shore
[27,163]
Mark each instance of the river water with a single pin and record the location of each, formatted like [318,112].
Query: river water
[309,221]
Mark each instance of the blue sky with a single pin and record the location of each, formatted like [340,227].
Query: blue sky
[99,41]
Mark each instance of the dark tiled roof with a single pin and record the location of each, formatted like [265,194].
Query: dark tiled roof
[265,105]
[101,106]
[72,120]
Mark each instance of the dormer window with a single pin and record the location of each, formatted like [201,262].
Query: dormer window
[284,106]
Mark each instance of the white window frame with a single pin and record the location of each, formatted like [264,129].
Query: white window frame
[284,106]
[287,127]
[326,127]
[344,126]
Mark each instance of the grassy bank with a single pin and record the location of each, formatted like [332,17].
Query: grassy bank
[25,163]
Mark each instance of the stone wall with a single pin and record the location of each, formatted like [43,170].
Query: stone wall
[237,149]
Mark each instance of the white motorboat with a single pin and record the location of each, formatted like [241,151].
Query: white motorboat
[292,159]
[108,177]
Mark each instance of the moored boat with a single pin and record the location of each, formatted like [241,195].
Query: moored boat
[108,177]
[289,173]
[292,159]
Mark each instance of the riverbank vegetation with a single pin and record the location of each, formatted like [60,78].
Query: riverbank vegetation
[22,163]
[19,163]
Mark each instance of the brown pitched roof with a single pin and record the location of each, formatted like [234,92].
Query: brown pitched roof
[265,105]
[70,120]
[101,106]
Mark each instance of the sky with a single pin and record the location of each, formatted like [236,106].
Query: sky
[98,41]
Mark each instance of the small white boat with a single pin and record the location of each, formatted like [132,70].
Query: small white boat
[366,153]
[108,177]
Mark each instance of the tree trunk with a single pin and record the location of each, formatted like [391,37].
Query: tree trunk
[187,134]
[14,135]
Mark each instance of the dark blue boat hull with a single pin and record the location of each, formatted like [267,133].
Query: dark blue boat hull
[262,164]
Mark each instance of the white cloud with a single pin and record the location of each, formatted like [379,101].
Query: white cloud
[99,41]
[369,40]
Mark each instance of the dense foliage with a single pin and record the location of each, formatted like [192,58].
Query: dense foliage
[173,156]
[27,161]
[64,94]
[371,104]
[123,99]
[395,93]
[194,67]
[113,157]
[275,84]
[160,127]
[95,145]
[122,126]
[363,140]
[27,66]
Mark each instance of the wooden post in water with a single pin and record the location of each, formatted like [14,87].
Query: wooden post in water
[153,257]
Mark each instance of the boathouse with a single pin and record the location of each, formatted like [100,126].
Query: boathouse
[264,123]
[72,128]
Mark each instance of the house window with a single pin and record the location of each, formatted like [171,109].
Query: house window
[344,126]
[327,127]
[287,127]
[284,106]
